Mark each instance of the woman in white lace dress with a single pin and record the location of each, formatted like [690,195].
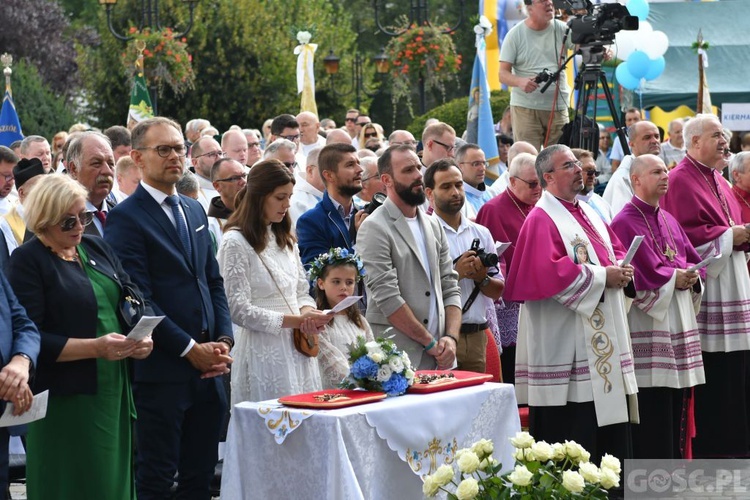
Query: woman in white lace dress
[336,274]
[267,291]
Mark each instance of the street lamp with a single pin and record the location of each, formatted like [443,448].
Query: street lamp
[149,19]
[331,64]
[419,11]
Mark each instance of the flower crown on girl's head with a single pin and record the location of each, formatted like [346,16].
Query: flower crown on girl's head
[336,256]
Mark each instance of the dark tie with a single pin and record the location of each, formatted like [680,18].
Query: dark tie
[181,226]
[102,216]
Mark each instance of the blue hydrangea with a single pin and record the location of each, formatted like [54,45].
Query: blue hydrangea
[344,252]
[364,367]
[395,385]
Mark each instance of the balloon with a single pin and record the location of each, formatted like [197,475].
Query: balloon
[638,8]
[626,43]
[644,28]
[657,45]
[625,79]
[638,64]
[655,69]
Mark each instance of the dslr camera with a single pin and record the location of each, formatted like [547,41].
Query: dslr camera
[543,76]
[487,259]
[377,200]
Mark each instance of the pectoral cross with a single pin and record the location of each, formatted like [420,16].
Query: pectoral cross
[669,253]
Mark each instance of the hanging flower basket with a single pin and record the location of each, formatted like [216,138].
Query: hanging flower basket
[422,52]
[165,58]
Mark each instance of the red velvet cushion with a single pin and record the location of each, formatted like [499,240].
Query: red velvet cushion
[492,365]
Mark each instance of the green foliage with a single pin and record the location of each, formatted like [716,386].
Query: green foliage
[40,110]
[454,112]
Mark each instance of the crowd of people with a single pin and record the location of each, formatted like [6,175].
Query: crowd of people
[244,242]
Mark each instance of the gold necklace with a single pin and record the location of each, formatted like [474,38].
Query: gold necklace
[668,252]
[513,199]
[717,194]
[739,195]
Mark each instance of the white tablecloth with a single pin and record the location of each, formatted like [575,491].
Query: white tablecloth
[338,454]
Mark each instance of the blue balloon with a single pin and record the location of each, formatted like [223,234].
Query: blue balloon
[625,79]
[655,69]
[638,64]
[638,8]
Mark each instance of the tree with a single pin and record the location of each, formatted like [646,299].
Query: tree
[40,110]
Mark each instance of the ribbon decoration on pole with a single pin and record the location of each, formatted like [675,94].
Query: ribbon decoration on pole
[140,102]
[305,53]
[704,96]
[10,125]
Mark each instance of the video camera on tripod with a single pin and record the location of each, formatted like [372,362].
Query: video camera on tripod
[600,23]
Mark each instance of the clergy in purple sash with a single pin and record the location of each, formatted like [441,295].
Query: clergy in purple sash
[503,216]
[663,329]
[703,203]
[739,170]
[574,365]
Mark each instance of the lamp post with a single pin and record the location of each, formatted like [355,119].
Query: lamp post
[149,19]
[331,63]
[419,14]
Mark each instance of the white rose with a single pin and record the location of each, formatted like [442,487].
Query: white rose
[396,364]
[573,481]
[542,451]
[384,373]
[558,451]
[409,374]
[521,476]
[609,478]
[405,359]
[611,463]
[573,450]
[376,357]
[518,455]
[468,462]
[522,440]
[304,37]
[585,455]
[486,463]
[430,487]
[468,489]
[483,447]
[443,475]
[590,472]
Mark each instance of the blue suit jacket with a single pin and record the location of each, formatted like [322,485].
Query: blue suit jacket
[190,293]
[18,334]
[322,228]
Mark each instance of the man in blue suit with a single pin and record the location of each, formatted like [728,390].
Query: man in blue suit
[19,348]
[334,221]
[163,241]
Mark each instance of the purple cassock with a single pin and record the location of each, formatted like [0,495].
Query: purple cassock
[653,269]
[541,267]
[503,216]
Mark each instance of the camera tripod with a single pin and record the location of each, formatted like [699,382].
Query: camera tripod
[586,84]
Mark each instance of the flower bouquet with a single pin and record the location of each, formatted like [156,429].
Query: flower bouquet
[378,366]
[165,58]
[542,471]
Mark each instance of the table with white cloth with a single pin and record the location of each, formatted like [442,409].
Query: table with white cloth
[372,451]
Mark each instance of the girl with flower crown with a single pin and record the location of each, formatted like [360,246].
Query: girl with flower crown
[335,275]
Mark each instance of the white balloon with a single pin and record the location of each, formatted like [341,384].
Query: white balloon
[644,27]
[625,42]
[657,45]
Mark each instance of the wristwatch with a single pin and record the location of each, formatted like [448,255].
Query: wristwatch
[484,282]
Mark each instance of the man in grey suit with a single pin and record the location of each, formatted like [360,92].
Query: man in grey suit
[410,280]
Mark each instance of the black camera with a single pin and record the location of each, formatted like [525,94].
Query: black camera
[487,259]
[543,76]
[377,200]
[599,23]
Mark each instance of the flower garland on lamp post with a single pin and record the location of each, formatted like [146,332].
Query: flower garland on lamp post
[425,54]
[165,56]
[418,19]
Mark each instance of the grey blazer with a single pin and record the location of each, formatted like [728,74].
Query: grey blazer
[395,275]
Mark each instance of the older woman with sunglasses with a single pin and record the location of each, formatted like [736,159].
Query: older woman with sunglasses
[71,285]
[371,133]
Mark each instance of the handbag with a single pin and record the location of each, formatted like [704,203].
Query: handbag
[131,307]
[306,344]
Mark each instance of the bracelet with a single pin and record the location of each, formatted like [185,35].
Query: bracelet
[454,339]
[430,345]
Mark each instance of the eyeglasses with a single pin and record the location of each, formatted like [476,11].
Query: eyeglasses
[475,164]
[404,143]
[8,177]
[362,124]
[290,137]
[253,145]
[212,154]
[448,148]
[531,184]
[569,165]
[365,179]
[164,150]
[69,223]
[592,173]
[351,120]
[371,135]
[234,178]
[290,165]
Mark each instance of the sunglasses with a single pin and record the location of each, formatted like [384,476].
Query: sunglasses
[290,165]
[592,173]
[371,135]
[351,120]
[69,223]
[532,184]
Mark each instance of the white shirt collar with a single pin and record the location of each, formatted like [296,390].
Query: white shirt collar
[157,195]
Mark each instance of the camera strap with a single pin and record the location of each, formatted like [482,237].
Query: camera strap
[474,294]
